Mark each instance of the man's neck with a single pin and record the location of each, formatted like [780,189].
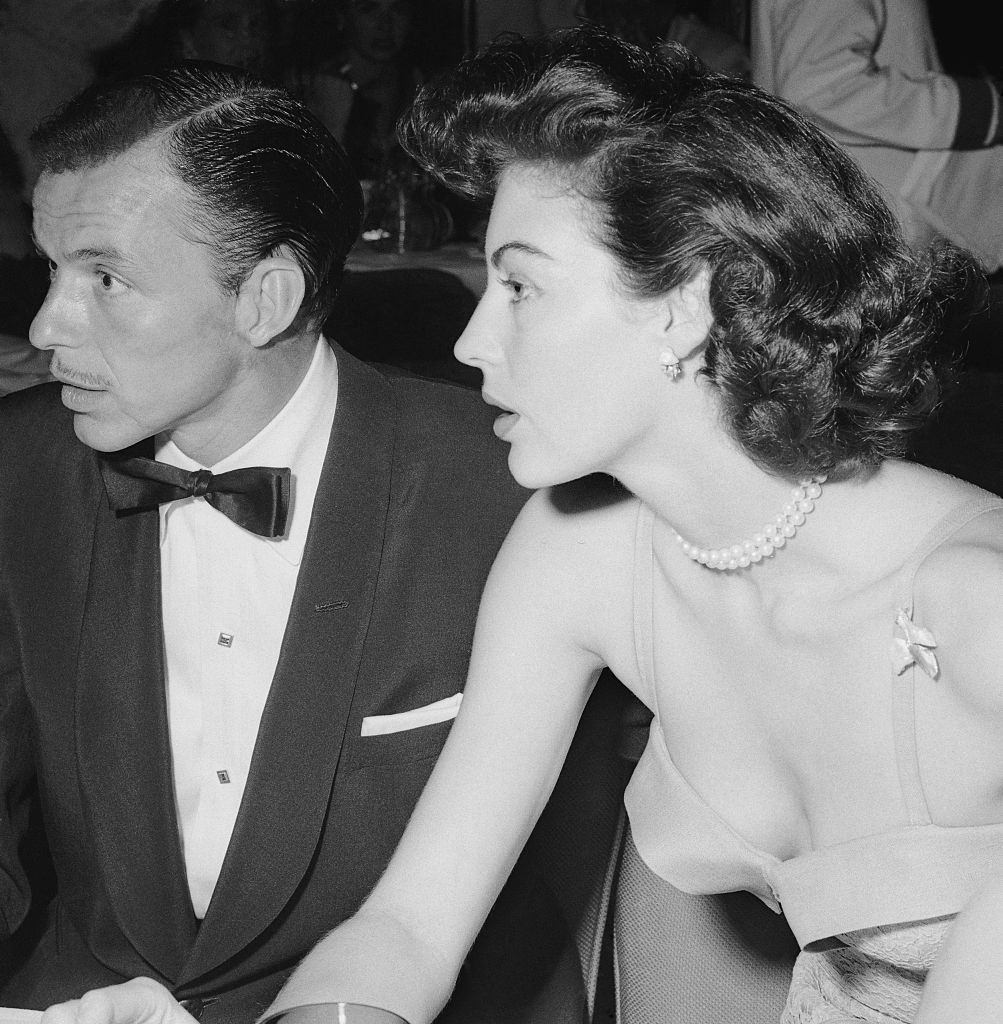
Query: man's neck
[250,403]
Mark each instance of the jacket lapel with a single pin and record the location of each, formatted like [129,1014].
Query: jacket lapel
[303,725]
[123,743]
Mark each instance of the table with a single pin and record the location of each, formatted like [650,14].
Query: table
[9,1015]
[407,309]
[464,260]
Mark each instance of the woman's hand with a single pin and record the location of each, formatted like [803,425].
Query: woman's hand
[140,1001]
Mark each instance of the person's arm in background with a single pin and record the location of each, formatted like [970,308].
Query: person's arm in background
[17,772]
[868,73]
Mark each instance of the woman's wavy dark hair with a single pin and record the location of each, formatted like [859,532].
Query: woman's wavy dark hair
[827,327]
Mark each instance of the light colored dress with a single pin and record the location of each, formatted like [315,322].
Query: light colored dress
[869,914]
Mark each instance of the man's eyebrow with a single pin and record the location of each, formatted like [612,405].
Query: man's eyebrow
[525,247]
[106,253]
[109,253]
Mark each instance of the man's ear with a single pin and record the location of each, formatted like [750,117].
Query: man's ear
[687,318]
[270,298]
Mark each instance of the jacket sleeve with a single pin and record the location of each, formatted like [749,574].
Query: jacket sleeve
[869,76]
[16,781]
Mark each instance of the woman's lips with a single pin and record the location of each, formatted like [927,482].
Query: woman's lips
[504,423]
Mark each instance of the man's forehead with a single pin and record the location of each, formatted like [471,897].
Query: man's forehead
[131,187]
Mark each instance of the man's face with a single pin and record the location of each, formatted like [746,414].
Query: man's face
[141,335]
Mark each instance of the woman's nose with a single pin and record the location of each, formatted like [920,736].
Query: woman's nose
[473,346]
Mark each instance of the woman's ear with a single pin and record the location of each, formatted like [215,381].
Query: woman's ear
[270,298]
[688,318]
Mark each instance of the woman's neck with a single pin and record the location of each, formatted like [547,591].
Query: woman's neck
[714,495]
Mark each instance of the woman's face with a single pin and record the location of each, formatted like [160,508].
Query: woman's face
[378,29]
[568,356]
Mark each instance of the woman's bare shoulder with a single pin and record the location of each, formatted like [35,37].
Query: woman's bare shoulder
[570,551]
[959,589]
[593,517]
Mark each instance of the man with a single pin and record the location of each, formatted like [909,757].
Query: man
[238,576]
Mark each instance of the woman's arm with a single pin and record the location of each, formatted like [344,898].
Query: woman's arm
[962,584]
[531,672]
[966,984]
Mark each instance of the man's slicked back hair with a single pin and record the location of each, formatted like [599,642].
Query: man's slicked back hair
[261,170]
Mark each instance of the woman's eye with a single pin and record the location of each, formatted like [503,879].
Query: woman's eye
[52,270]
[517,290]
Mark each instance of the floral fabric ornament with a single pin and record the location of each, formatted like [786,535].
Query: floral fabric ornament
[914,646]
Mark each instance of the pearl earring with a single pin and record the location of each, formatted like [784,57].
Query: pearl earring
[670,363]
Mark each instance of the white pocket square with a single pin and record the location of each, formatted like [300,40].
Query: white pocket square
[441,711]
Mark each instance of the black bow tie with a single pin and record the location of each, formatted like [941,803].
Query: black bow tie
[256,498]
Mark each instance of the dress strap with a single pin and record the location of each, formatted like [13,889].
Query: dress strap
[914,651]
[644,652]
[958,517]
[906,748]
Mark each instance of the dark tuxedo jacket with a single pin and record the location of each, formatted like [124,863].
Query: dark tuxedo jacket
[414,500]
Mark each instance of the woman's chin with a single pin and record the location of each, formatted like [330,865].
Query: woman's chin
[534,475]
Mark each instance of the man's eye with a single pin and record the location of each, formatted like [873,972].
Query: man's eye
[107,282]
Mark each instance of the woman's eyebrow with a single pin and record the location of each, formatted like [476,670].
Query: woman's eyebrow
[523,247]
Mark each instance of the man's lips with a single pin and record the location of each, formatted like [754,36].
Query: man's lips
[69,382]
[77,395]
[79,399]
[73,381]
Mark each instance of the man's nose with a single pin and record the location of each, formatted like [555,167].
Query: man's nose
[53,324]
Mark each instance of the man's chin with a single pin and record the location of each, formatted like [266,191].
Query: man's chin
[103,438]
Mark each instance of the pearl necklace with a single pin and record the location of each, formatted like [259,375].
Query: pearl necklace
[774,535]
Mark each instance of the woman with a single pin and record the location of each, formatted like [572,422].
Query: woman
[694,295]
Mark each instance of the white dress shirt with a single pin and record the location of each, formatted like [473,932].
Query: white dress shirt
[226,595]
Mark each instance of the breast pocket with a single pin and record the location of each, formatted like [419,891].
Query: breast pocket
[404,736]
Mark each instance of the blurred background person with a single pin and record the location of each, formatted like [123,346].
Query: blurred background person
[241,33]
[869,73]
[47,54]
[47,50]
[689,22]
[355,67]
